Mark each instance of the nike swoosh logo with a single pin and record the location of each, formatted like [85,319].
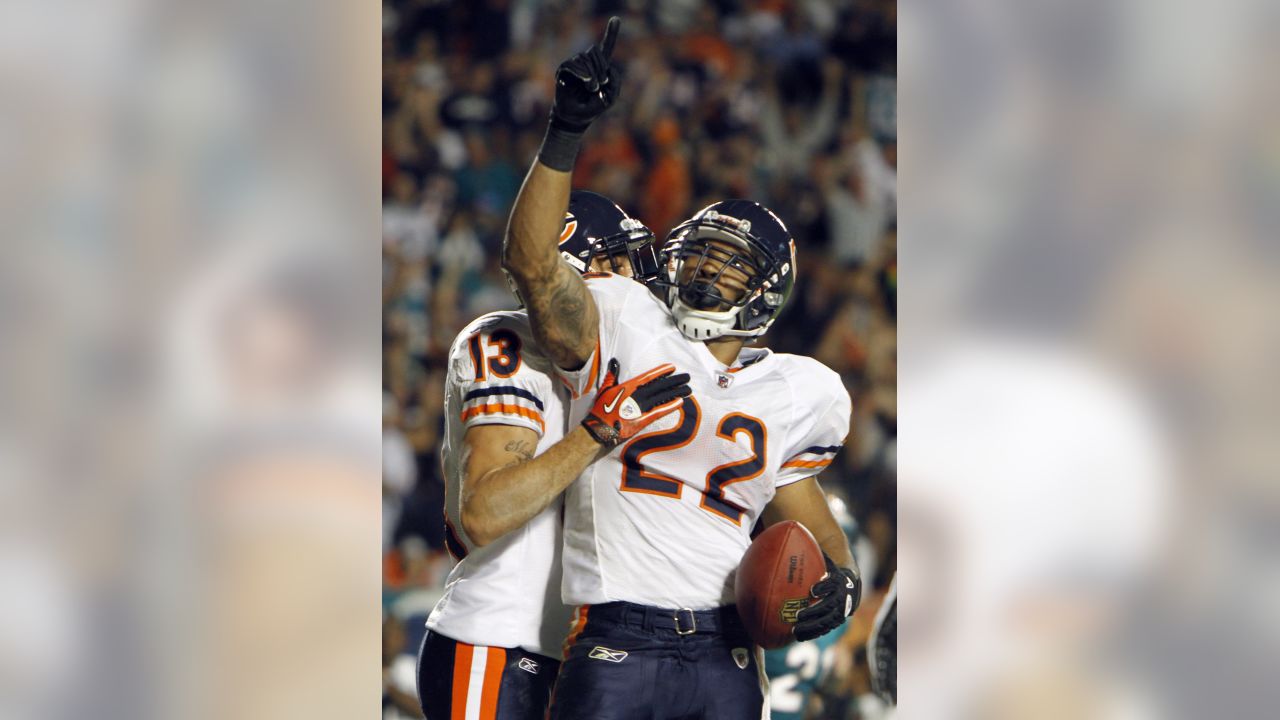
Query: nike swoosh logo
[610,406]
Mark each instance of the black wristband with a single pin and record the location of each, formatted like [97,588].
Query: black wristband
[560,146]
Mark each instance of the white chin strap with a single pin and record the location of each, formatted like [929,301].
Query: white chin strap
[702,324]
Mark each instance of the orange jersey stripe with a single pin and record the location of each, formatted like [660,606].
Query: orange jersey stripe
[572,390]
[461,677]
[591,379]
[493,667]
[579,624]
[595,367]
[495,408]
[806,463]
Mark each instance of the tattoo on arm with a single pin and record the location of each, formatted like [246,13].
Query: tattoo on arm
[567,303]
[564,314]
[564,317]
[521,448]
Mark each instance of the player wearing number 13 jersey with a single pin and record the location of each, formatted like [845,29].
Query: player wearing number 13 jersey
[492,649]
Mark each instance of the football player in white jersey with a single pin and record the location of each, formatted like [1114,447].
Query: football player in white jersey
[655,530]
[492,639]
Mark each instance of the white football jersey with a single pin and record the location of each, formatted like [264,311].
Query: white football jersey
[507,593]
[665,518]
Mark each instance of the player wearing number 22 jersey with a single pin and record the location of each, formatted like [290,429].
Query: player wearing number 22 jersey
[654,531]
[665,519]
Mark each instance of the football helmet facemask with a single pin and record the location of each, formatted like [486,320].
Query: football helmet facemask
[728,270]
[595,226]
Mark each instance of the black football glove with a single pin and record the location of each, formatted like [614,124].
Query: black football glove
[838,595]
[586,85]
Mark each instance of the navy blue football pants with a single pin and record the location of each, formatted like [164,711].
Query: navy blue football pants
[633,662]
[458,680]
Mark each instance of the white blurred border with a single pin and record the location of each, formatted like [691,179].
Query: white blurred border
[1089,274]
[189,434]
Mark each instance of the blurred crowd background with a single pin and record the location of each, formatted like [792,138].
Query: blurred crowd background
[791,104]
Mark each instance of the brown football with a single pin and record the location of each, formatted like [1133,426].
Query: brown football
[773,581]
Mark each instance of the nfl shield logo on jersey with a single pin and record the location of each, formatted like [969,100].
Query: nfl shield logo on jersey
[724,380]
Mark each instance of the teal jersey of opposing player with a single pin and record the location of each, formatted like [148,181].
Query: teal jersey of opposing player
[795,671]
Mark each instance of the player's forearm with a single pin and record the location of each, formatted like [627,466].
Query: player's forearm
[561,310]
[506,498]
[831,538]
[529,251]
[833,542]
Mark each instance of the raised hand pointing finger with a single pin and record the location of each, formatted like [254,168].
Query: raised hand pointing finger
[610,37]
[587,84]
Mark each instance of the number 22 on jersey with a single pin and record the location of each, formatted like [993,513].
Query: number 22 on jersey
[636,478]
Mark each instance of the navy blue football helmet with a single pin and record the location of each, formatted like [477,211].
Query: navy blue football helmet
[728,270]
[595,226]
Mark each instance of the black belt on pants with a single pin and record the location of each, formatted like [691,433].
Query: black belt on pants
[682,621]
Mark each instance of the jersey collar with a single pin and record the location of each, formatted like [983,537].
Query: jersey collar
[747,361]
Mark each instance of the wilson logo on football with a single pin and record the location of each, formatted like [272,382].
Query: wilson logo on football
[791,608]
